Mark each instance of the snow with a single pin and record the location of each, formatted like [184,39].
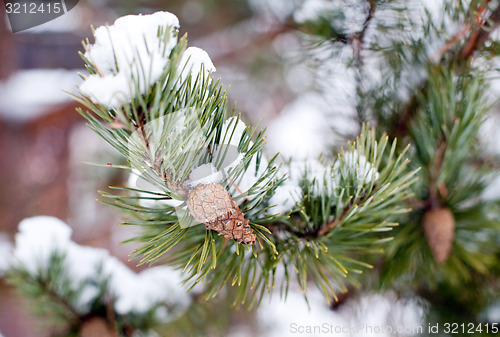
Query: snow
[110,91]
[286,196]
[193,61]
[300,131]
[130,48]
[248,179]
[235,127]
[205,174]
[39,237]
[289,193]
[225,156]
[28,94]
[131,54]
[140,292]
[359,165]
[367,315]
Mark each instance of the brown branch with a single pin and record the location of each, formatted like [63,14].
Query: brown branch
[322,230]
[356,42]
[329,226]
[57,298]
[482,31]
[435,167]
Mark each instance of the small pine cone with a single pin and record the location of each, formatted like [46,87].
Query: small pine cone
[439,229]
[212,205]
[176,186]
[96,327]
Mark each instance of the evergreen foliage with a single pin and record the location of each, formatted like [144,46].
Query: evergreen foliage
[323,238]
[421,81]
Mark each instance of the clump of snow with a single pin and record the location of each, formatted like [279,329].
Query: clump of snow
[28,94]
[326,179]
[132,48]
[359,166]
[131,55]
[288,194]
[193,61]
[40,237]
[227,157]
[37,239]
[140,292]
[205,174]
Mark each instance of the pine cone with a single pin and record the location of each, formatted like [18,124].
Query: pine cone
[439,229]
[96,327]
[212,205]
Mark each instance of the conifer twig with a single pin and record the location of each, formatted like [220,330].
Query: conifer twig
[357,41]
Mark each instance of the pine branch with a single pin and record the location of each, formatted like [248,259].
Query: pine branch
[179,126]
[481,32]
[50,288]
[329,226]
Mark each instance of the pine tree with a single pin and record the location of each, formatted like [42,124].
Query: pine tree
[401,206]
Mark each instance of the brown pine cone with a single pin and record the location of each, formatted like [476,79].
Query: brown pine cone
[439,229]
[212,205]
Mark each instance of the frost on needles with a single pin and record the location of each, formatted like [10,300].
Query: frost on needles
[201,183]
